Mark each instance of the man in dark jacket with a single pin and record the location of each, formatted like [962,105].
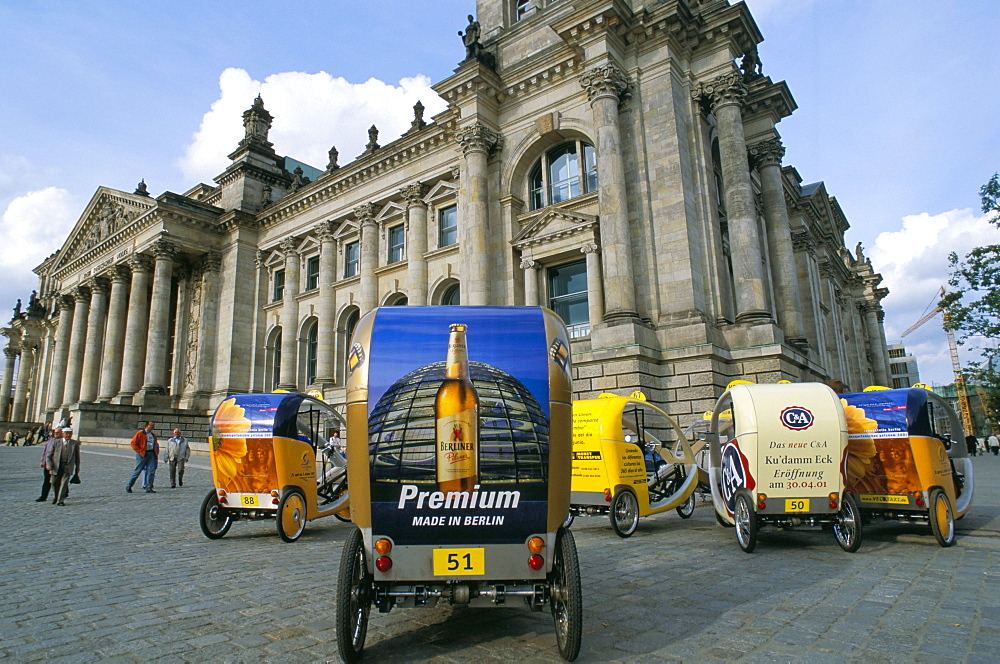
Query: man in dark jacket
[63,462]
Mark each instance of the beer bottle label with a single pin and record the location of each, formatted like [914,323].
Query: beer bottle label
[456,453]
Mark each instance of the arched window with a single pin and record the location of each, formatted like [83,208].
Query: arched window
[352,323]
[452,296]
[312,347]
[399,300]
[521,9]
[564,172]
[276,366]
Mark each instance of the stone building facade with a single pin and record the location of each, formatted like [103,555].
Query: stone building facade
[616,160]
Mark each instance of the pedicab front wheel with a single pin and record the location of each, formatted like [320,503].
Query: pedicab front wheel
[686,509]
[291,516]
[567,602]
[746,523]
[354,598]
[624,513]
[942,518]
[847,528]
[215,521]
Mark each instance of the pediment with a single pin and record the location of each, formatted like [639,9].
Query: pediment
[109,214]
[552,224]
[346,229]
[441,190]
[390,212]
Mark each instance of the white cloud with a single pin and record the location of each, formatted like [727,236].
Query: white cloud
[32,227]
[312,112]
[914,264]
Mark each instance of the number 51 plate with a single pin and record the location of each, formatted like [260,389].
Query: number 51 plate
[457,562]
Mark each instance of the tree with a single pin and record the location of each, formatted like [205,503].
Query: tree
[972,307]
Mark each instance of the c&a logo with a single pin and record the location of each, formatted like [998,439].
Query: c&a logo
[797,418]
[735,474]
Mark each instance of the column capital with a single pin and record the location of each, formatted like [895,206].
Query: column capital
[260,257]
[65,302]
[528,264]
[164,249]
[118,274]
[605,81]
[288,246]
[10,353]
[721,91]
[414,193]
[326,230]
[589,248]
[766,153]
[365,214]
[98,285]
[477,138]
[211,261]
[140,263]
[81,293]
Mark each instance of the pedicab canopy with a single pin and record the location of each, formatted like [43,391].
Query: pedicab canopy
[901,442]
[467,415]
[255,439]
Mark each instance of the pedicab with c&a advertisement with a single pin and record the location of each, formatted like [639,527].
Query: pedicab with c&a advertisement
[459,454]
[908,459]
[275,456]
[625,464]
[780,461]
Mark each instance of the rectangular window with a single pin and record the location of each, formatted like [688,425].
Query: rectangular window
[312,273]
[352,259]
[396,243]
[568,296]
[278,292]
[448,226]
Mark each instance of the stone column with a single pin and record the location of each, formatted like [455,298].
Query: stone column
[726,95]
[530,268]
[476,142]
[416,225]
[876,342]
[181,322]
[136,328]
[10,356]
[155,379]
[326,310]
[57,379]
[767,156]
[595,286]
[365,215]
[19,412]
[605,87]
[208,328]
[77,345]
[290,317]
[114,338]
[95,339]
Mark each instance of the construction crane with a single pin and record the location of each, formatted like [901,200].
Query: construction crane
[956,366]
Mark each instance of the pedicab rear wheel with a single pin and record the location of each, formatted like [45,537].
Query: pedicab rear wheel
[354,598]
[215,520]
[566,598]
[624,513]
[291,515]
[847,528]
[942,518]
[746,523]
[686,509]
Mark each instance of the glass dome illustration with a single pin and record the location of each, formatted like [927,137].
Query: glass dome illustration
[513,428]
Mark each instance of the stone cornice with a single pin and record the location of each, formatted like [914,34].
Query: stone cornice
[526,82]
[765,97]
[595,20]
[472,79]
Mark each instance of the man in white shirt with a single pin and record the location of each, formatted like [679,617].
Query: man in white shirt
[178,453]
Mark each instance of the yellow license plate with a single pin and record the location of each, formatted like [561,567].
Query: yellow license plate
[797,505]
[457,562]
[248,500]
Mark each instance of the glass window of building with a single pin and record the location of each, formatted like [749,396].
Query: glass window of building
[312,273]
[452,297]
[396,243]
[448,226]
[276,362]
[568,297]
[312,347]
[278,291]
[352,259]
[564,172]
[522,9]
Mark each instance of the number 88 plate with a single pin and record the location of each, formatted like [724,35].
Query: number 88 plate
[458,562]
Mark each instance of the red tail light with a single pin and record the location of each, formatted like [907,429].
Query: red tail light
[536,562]
[383,564]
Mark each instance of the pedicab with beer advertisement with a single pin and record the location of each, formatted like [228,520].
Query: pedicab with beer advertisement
[908,459]
[780,461]
[630,459]
[275,456]
[459,453]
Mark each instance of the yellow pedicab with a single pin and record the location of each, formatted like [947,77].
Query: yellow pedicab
[780,461]
[274,456]
[908,459]
[459,454]
[624,464]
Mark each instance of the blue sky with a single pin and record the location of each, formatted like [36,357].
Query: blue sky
[897,111]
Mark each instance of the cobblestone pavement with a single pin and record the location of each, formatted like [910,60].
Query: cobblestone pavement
[130,578]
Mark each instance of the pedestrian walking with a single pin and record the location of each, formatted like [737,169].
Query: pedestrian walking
[178,453]
[147,450]
[971,444]
[9,437]
[46,479]
[994,444]
[63,464]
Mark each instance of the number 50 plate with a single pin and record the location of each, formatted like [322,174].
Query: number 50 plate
[457,562]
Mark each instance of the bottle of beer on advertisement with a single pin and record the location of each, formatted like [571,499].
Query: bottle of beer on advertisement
[456,411]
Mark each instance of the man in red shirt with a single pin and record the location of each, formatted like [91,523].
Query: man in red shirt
[147,451]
